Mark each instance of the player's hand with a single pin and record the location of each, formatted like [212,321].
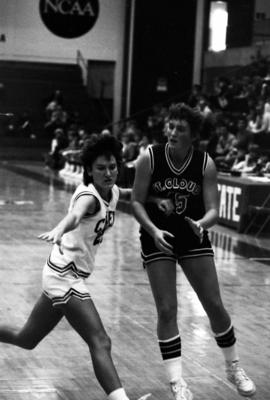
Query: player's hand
[165,205]
[53,237]
[196,227]
[161,242]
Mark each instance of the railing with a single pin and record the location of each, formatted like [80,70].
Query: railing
[82,63]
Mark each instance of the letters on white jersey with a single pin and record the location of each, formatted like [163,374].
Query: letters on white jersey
[80,245]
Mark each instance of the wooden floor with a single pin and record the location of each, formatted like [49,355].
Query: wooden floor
[60,368]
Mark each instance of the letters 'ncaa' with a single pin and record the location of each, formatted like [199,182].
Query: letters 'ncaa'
[69,18]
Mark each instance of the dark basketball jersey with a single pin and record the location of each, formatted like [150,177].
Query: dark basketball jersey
[183,186]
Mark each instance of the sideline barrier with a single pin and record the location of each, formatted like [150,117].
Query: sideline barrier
[238,196]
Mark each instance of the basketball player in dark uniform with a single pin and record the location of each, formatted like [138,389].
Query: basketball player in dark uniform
[175,230]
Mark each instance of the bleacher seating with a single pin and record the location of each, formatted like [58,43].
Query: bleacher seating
[29,85]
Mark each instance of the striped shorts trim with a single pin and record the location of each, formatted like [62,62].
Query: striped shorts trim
[60,288]
[57,301]
[150,252]
[67,268]
[158,256]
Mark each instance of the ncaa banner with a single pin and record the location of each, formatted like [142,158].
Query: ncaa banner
[69,19]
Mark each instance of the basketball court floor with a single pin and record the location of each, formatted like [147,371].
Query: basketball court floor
[60,367]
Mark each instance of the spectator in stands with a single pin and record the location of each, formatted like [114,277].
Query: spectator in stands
[266,117]
[243,136]
[144,143]
[56,100]
[235,155]
[58,119]
[204,108]
[265,169]
[249,163]
[196,93]
[54,159]
[219,98]
[130,146]
[207,125]
[83,135]
[224,140]
[255,121]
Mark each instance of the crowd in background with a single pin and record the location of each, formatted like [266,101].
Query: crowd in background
[235,129]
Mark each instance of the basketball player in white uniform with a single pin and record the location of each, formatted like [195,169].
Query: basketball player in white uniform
[75,242]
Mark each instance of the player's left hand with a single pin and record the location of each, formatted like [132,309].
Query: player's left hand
[196,227]
[165,205]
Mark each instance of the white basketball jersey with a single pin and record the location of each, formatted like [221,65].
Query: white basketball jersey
[80,245]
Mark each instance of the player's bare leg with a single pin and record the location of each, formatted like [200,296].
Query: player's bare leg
[43,318]
[202,275]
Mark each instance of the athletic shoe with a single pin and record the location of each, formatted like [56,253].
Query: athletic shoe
[180,390]
[238,377]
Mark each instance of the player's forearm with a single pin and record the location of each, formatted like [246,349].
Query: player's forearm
[209,219]
[142,217]
[153,199]
[68,223]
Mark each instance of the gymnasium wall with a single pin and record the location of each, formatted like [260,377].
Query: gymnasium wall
[28,39]
[24,37]
[262,6]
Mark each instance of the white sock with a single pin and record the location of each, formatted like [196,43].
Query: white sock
[118,394]
[171,354]
[173,368]
[230,354]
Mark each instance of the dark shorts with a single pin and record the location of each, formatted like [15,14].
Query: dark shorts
[185,247]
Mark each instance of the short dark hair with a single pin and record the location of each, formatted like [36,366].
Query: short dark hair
[99,145]
[191,115]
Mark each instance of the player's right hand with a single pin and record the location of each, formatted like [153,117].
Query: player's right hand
[52,237]
[161,242]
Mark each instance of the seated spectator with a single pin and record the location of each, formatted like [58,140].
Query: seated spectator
[195,95]
[234,156]
[263,165]
[73,140]
[266,117]
[255,121]
[242,135]
[249,164]
[225,140]
[130,146]
[54,159]
[144,144]
[55,101]
[58,120]
[83,135]
[266,167]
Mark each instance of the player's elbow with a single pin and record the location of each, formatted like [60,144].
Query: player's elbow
[136,206]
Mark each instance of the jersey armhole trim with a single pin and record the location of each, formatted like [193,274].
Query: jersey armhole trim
[97,208]
[152,164]
[205,160]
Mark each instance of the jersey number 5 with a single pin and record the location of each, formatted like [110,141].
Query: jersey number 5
[180,203]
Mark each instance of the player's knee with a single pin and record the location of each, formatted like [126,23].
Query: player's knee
[215,306]
[101,342]
[27,345]
[26,342]
[167,312]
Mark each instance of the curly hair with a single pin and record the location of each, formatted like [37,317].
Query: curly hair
[192,116]
[96,146]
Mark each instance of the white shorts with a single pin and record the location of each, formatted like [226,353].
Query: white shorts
[60,287]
